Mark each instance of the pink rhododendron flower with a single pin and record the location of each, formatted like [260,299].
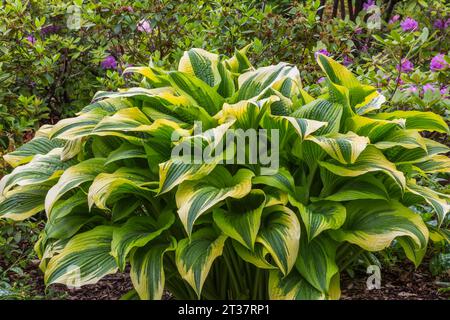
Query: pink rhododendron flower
[438,63]
[144,26]
[405,66]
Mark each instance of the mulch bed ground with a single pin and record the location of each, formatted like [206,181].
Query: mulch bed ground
[400,282]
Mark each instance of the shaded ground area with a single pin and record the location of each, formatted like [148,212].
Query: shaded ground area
[400,282]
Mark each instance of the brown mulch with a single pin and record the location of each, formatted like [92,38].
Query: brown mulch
[399,282]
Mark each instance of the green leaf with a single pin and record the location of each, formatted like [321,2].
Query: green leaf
[147,270]
[280,235]
[24,201]
[198,92]
[84,260]
[373,224]
[243,218]
[26,152]
[345,148]
[196,197]
[320,216]
[72,178]
[39,170]
[364,187]
[281,180]
[195,255]
[291,287]
[316,262]
[370,160]
[77,127]
[108,188]
[136,233]
[201,64]
[324,111]
[418,120]
[253,83]
[439,201]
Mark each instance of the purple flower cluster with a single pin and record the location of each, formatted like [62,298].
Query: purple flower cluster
[109,63]
[346,61]
[425,88]
[409,24]
[321,51]
[438,63]
[441,24]
[405,66]
[50,29]
[368,4]
[31,39]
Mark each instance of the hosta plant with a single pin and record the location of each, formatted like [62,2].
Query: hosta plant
[342,181]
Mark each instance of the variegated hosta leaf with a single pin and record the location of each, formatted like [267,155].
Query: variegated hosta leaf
[147,270]
[371,103]
[345,148]
[439,201]
[24,201]
[196,197]
[320,216]
[324,111]
[288,126]
[72,178]
[26,152]
[280,235]
[436,163]
[154,75]
[84,260]
[157,97]
[405,139]
[109,187]
[136,233]
[259,256]
[340,76]
[400,155]
[201,64]
[77,127]
[69,216]
[188,166]
[316,262]
[281,180]
[131,124]
[418,120]
[373,224]
[364,187]
[370,160]
[195,255]
[291,287]
[246,112]
[242,219]
[253,83]
[239,62]
[197,91]
[126,151]
[413,251]
[41,169]
[109,105]
[374,129]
